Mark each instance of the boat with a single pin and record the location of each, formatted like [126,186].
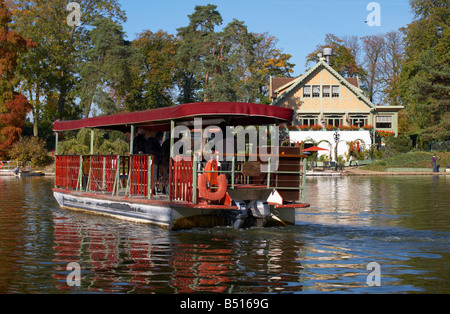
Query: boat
[29,173]
[252,184]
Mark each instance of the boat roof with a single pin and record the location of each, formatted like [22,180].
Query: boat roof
[233,113]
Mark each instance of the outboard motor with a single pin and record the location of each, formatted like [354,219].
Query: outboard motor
[239,215]
[260,212]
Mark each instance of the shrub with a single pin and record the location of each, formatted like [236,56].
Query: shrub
[399,144]
[30,149]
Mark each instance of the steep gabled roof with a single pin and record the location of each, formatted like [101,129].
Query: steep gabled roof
[322,64]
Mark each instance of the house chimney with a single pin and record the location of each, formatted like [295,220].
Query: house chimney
[327,52]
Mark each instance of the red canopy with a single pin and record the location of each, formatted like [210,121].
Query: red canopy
[234,113]
[314,149]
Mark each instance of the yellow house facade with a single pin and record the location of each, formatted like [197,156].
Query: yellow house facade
[323,99]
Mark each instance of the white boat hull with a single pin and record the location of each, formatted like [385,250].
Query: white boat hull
[143,213]
[169,215]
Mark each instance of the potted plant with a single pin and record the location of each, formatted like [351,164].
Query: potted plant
[303,127]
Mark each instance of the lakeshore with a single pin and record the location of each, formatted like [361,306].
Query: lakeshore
[350,171]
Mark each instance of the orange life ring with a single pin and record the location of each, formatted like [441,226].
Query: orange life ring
[1,165]
[211,165]
[212,195]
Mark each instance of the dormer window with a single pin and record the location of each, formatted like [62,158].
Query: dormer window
[325,91]
[307,91]
[335,91]
[316,91]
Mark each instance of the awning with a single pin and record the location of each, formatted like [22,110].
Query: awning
[314,149]
[234,113]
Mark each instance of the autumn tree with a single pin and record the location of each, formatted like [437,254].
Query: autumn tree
[343,59]
[13,106]
[269,61]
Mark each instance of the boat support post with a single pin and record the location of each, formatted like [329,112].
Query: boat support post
[194,179]
[132,132]
[92,142]
[172,142]
[303,181]
[56,143]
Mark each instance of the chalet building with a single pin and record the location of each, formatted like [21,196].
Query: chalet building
[327,102]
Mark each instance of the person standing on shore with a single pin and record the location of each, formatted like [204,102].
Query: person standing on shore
[434,163]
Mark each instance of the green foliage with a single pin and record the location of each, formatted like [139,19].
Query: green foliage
[156,75]
[231,65]
[61,49]
[401,160]
[105,142]
[106,76]
[425,73]
[399,144]
[30,149]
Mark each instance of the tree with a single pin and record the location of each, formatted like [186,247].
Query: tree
[425,72]
[229,65]
[106,74]
[62,47]
[373,47]
[13,106]
[392,59]
[158,70]
[199,52]
[343,59]
[268,61]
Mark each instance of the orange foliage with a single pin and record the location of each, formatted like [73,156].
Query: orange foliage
[13,106]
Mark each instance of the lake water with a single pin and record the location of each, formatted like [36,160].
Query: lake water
[401,223]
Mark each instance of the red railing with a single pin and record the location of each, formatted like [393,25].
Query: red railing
[103,171]
[181,184]
[139,171]
[67,170]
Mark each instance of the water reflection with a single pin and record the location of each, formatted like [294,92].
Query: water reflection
[338,201]
[399,222]
[138,258]
[378,201]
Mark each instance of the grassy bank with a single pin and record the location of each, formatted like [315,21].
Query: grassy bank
[410,160]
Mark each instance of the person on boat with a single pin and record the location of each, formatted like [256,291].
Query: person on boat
[164,165]
[226,155]
[153,147]
[139,142]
